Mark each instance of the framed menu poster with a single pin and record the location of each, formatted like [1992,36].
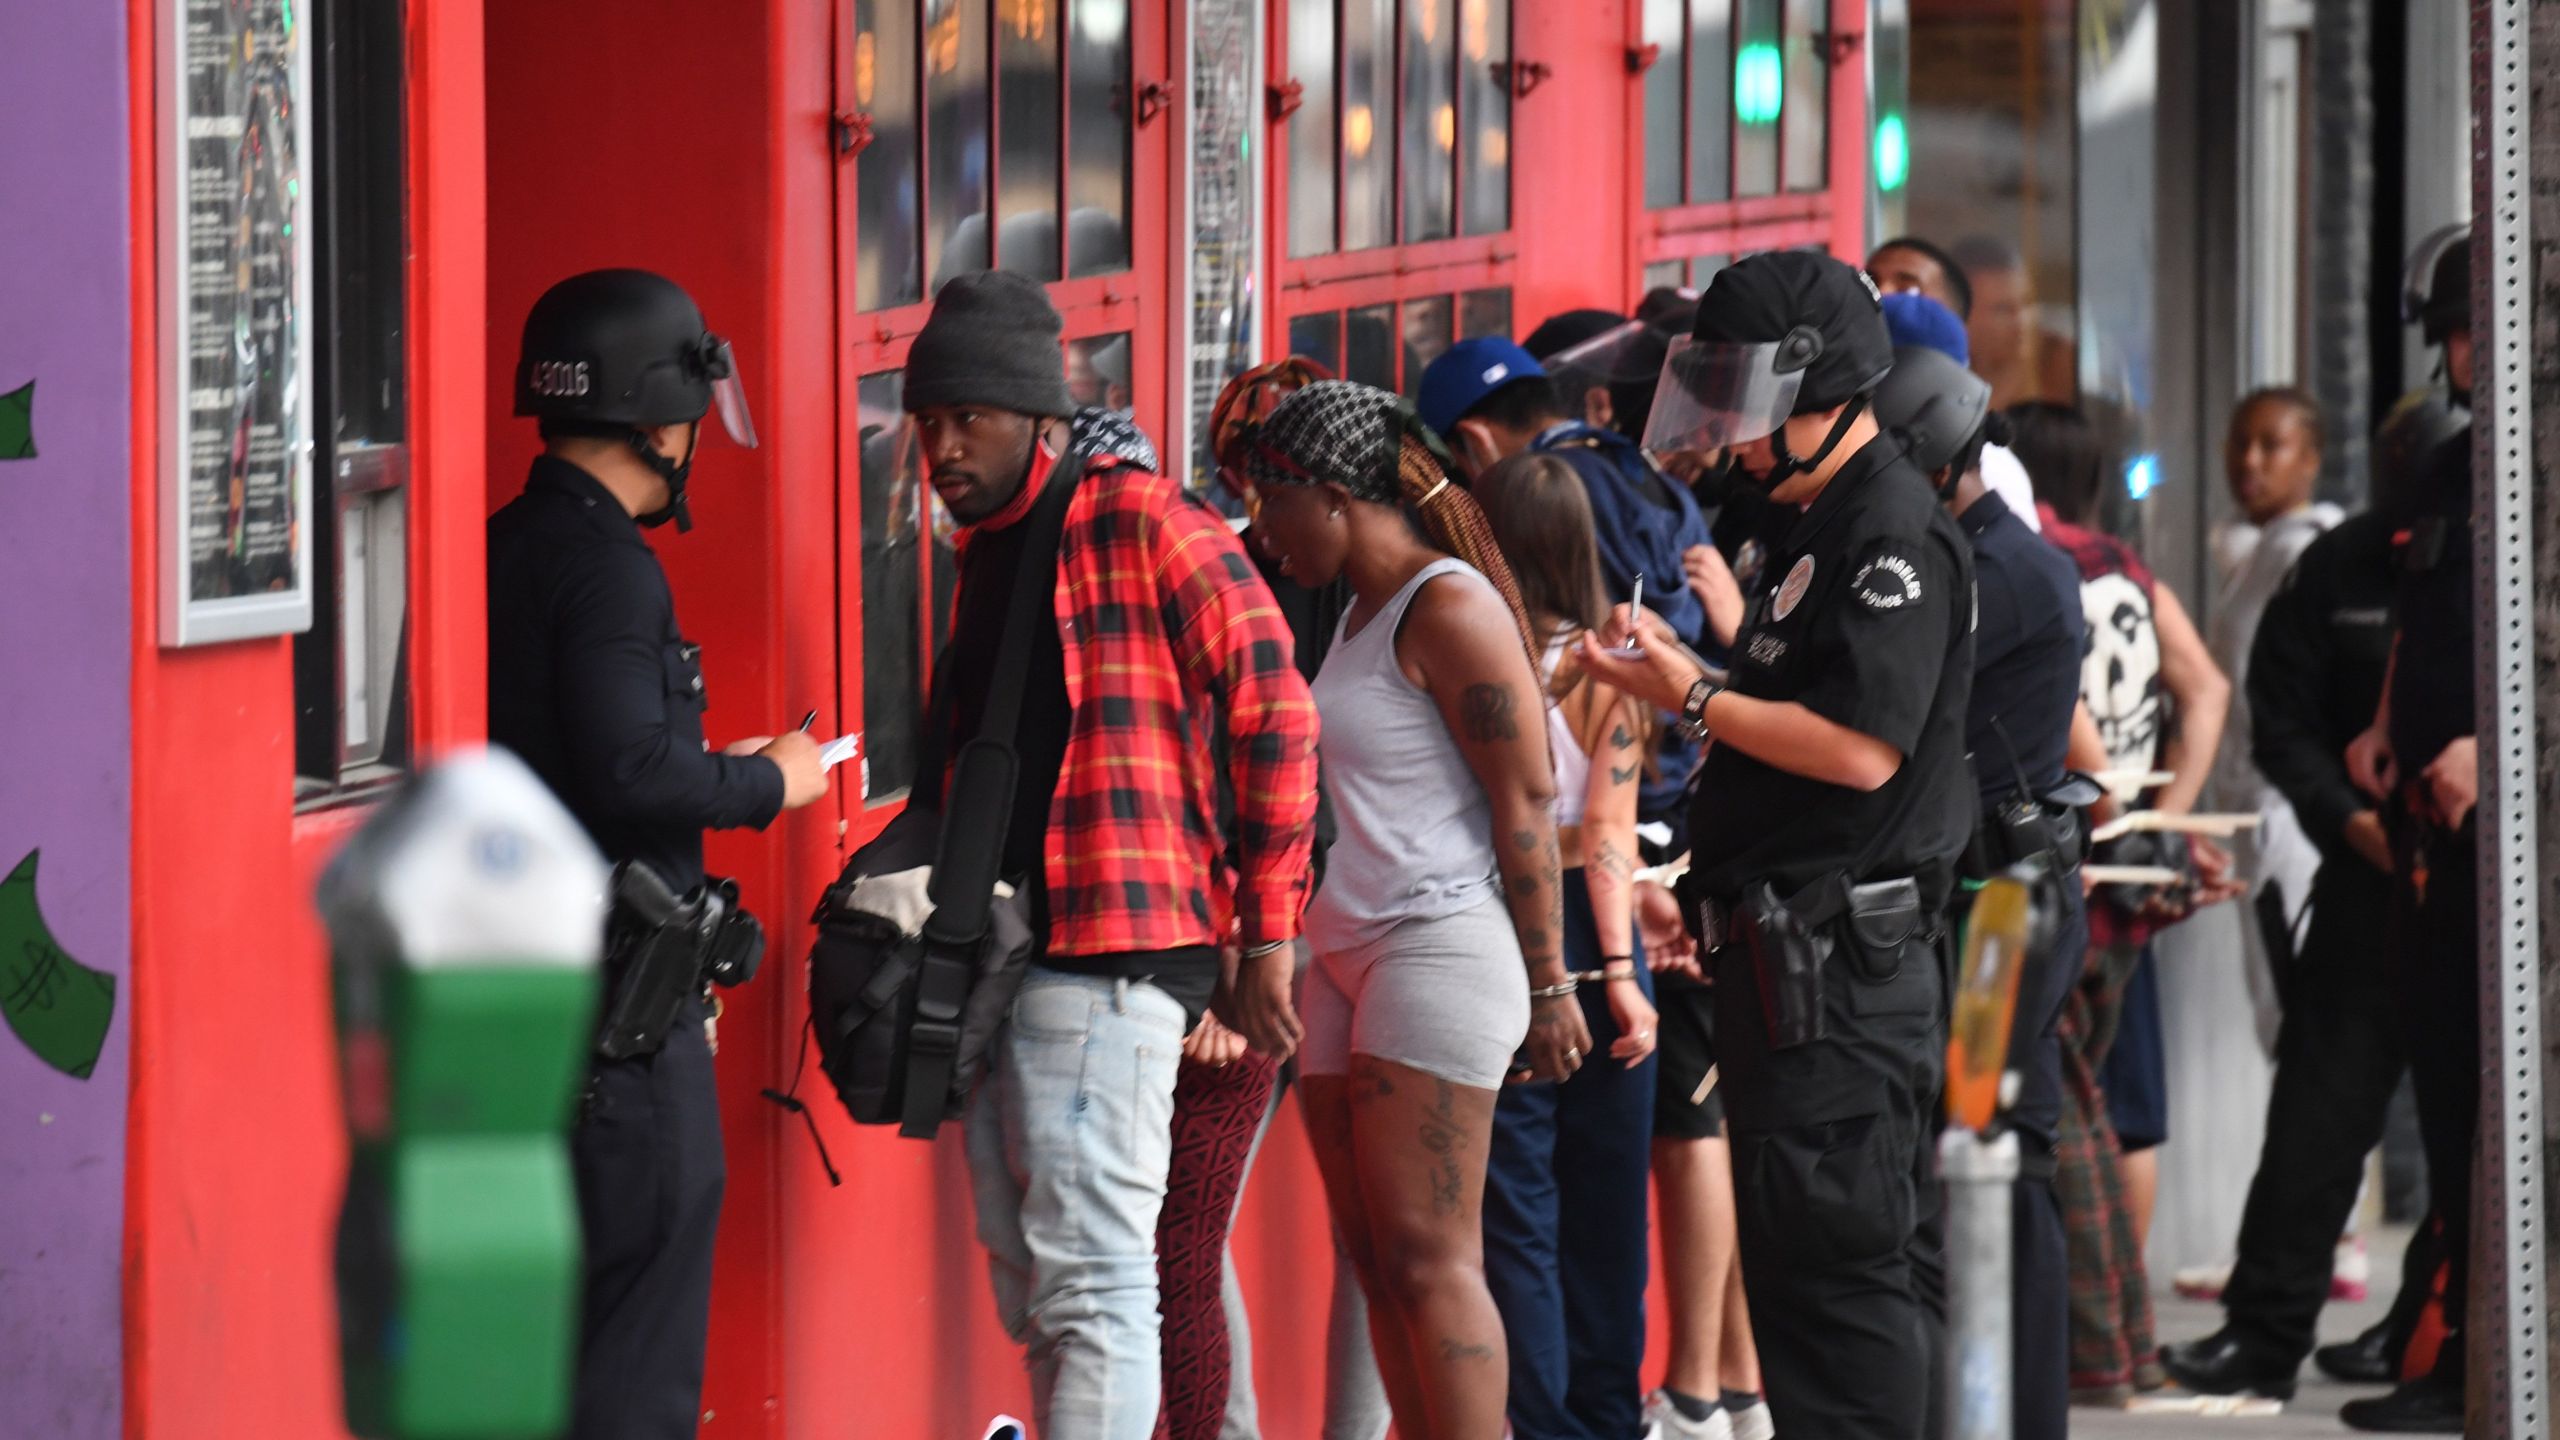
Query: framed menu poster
[236,337]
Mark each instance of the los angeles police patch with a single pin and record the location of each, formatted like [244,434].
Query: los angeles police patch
[1888,582]
[1791,591]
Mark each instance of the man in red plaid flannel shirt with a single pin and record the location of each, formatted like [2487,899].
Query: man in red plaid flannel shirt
[1162,630]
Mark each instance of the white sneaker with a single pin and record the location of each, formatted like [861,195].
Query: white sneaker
[1663,1421]
[2203,1282]
[1754,1423]
[2351,1275]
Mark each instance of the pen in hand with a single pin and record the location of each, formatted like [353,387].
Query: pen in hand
[808,720]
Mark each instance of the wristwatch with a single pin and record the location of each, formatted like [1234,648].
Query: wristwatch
[1693,711]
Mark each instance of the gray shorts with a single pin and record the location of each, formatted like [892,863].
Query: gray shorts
[1448,997]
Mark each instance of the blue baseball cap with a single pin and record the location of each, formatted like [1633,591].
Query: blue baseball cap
[1918,321]
[1467,372]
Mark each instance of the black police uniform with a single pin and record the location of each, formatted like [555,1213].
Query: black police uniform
[2028,642]
[2435,925]
[1864,615]
[591,682]
[2315,674]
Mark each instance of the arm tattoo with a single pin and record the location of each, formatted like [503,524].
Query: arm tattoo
[1610,858]
[1620,739]
[1524,841]
[1486,714]
[1626,776]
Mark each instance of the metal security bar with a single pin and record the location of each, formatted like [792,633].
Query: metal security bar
[2508,1303]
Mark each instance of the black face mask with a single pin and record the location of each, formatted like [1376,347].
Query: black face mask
[674,472]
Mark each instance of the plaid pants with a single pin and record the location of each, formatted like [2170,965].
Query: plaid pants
[2113,1352]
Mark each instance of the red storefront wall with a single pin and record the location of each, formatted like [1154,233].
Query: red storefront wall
[555,135]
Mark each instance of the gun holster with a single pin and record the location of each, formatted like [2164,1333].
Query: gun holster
[662,949]
[1791,942]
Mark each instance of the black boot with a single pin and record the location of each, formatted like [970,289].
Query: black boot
[2372,1358]
[2425,1406]
[2228,1362]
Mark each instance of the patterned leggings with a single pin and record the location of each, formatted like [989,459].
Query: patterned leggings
[2113,1356]
[1216,1112]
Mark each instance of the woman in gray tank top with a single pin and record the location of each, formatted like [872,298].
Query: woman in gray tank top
[1439,930]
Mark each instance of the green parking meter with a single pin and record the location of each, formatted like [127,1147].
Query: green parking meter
[466,925]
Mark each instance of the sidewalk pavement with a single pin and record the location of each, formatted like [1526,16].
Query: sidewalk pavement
[2314,1408]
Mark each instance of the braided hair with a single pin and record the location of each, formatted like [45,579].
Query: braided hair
[1451,520]
[1373,445]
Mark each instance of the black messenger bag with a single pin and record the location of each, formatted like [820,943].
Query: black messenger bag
[919,949]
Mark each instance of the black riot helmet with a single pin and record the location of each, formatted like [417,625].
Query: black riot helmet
[612,353]
[1937,407]
[1777,335]
[2435,288]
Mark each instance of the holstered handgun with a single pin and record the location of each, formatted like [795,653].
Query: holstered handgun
[1789,942]
[660,951]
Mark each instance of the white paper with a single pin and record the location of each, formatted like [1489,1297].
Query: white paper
[842,748]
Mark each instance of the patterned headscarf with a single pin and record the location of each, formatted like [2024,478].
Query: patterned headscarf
[1338,432]
[1246,403]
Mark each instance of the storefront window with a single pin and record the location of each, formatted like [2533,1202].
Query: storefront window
[1369,346]
[1421,138]
[1390,345]
[1808,96]
[989,154]
[1484,116]
[1430,120]
[1736,99]
[1312,149]
[351,668]
[1318,336]
[1709,131]
[1666,36]
[889,270]
[1759,96]
[903,552]
[1028,81]
[1098,134]
[1368,123]
[956,121]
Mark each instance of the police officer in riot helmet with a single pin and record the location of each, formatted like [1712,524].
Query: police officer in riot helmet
[2419,762]
[2029,636]
[2435,295]
[595,686]
[1828,821]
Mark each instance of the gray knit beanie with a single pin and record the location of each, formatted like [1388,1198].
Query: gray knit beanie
[992,340]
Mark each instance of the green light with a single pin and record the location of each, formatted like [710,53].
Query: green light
[1759,84]
[1893,153]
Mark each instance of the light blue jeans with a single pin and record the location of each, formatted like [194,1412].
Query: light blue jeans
[1070,1142]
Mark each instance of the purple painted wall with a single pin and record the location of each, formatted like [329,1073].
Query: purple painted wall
[66,658]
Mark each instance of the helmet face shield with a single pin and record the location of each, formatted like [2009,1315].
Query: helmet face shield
[1715,395]
[728,396]
[1630,352]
